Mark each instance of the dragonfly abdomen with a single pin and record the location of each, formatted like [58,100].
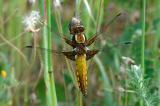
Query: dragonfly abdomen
[81,73]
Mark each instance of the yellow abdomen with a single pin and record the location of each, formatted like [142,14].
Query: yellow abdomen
[81,73]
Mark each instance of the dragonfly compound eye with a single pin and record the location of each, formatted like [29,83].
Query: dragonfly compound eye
[75,26]
[75,21]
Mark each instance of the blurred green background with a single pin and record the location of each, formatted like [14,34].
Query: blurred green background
[112,80]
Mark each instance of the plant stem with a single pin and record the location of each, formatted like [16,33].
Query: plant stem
[48,74]
[143,40]
[143,36]
[108,96]
[57,14]
[156,48]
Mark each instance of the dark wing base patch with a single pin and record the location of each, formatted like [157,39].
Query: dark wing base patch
[91,53]
[70,55]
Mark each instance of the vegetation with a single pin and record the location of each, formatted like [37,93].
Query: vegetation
[119,75]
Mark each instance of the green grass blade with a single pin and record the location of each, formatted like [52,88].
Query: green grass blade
[48,74]
[143,38]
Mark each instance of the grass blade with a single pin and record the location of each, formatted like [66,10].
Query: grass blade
[48,74]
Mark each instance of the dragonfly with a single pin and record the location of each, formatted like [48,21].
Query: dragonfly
[80,52]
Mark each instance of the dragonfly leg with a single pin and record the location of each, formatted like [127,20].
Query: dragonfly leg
[90,41]
[91,53]
[70,55]
[71,43]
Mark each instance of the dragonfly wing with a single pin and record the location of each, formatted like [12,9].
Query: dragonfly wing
[90,41]
[91,53]
[71,43]
[70,55]
[43,49]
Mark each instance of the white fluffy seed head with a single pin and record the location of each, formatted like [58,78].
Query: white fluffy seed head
[31,21]
[32,1]
[136,67]
[56,3]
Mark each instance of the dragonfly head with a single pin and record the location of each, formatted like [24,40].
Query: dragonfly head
[76,26]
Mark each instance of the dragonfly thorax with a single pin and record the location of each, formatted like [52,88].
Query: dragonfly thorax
[80,49]
[80,38]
